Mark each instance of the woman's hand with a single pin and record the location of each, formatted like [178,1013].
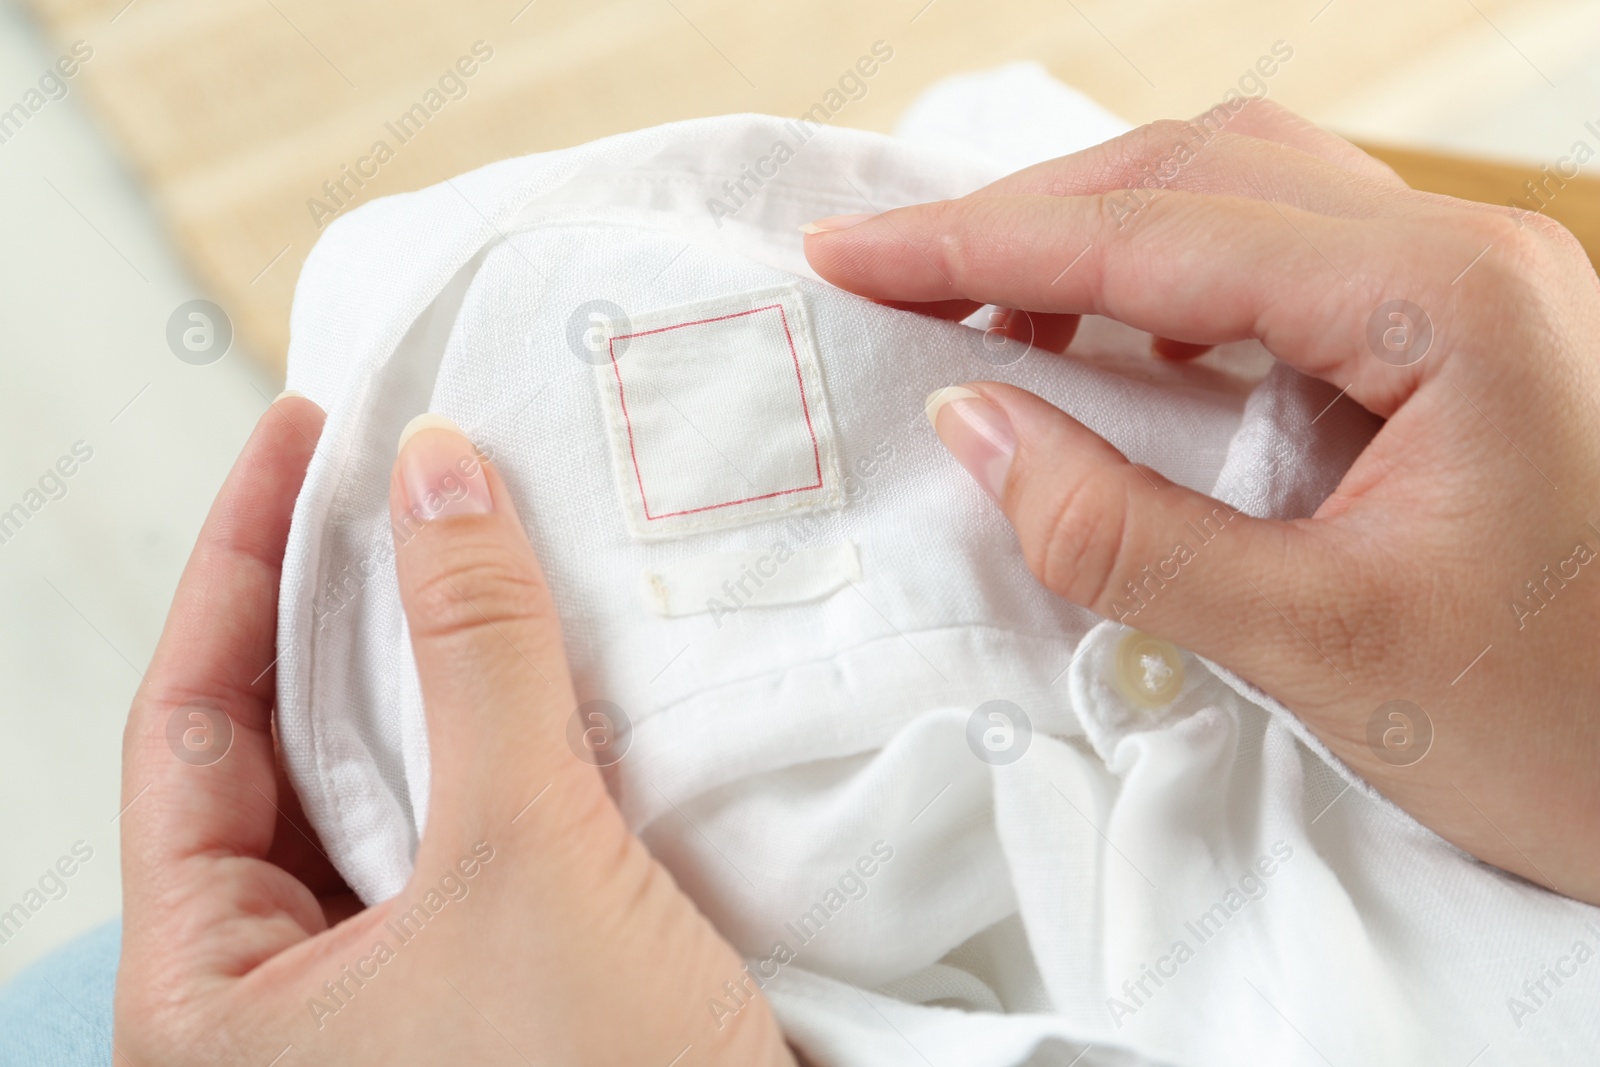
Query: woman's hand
[535,929]
[1457,566]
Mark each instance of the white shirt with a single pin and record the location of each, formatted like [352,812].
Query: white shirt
[917,873]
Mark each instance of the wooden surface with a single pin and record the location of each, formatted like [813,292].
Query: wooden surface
[1574,202]
[234,114]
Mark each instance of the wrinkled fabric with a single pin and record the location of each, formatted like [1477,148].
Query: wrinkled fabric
[1099,882]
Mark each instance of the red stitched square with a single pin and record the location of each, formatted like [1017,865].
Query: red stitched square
[674,461]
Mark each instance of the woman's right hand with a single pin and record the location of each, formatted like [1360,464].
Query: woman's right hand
[1457,566]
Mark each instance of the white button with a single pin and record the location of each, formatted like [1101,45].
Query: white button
[1149,670]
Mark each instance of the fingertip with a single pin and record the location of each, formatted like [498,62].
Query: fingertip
[857,254]
[940,397]
[1052,332]
[833,223]
[1177,351]
[292,400]
[296,419]
[438,471]
[428,420]
[977,433]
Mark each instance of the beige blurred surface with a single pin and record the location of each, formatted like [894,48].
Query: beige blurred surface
[89,278]
[235,114]
[181,161]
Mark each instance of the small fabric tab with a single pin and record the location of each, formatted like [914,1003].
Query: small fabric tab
[1124,682]
[724,582]
[717,415]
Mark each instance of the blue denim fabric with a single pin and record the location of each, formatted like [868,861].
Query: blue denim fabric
[57,1013]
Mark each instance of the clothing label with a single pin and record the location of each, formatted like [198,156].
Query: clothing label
[717,415]
[722,583]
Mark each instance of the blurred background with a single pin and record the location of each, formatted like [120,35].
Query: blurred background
[198,147]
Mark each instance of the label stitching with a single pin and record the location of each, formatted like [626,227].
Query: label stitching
[805,407]
[799,340]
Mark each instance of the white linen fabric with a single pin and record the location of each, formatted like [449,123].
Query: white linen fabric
[1198,883]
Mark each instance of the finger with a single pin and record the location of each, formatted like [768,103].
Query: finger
[1269,121]
[1176,351]
[948,310]
[1126,543]
[486,639]
[189,787]
[1200,269]
[1053,333]
[199,782]
[1203,156]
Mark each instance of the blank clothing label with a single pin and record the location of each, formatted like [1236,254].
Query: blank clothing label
[723,582]
[717,415]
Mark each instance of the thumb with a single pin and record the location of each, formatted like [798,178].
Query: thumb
[1128,544]
[486,640]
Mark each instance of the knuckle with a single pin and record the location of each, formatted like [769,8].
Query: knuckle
[1145,156]
[1260,109]
[1114,208]
[1081,543]
[1158,138]
[472,583]
[973,239]
[1135,210]
[1505,231]
[1220,116]
[1524,257]
[1550,235]
[952,252]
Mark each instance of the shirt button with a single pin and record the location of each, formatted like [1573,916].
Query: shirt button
[1149,670]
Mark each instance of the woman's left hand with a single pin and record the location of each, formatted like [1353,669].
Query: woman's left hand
[535,928]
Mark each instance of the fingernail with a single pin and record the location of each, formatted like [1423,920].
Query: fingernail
[289,393]
[977,433]
[835,222]
[440,471]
